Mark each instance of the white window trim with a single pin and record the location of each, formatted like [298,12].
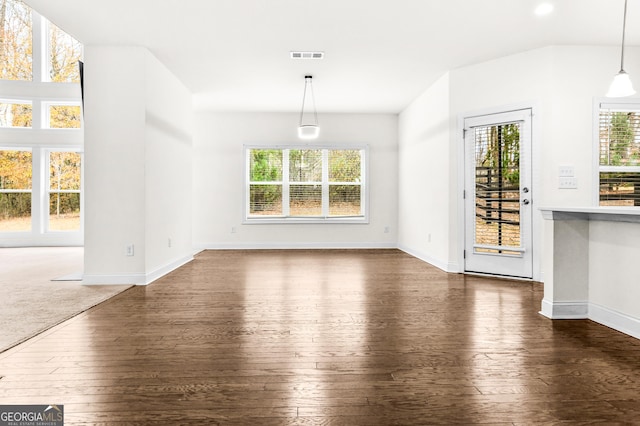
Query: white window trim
[40,191]
[324,218]
[614,104]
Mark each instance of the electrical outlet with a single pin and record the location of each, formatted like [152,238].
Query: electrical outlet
[169,242]
[233,230]
[568,183]
[128,250]
[386,229]
[566,171]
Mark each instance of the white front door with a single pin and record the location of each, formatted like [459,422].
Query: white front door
[498,194]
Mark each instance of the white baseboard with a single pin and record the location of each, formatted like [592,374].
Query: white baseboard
[597,313]
[565,310]
[164,270]
[113,279]
[291,246]
[451,267]
[135,279]
[616,320]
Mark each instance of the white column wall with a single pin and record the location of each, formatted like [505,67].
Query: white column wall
[168,169]
[114,163]
[219,180]
[424,177]
[137,123]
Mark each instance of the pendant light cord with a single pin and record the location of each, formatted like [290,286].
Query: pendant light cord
[624,28]
[308,81]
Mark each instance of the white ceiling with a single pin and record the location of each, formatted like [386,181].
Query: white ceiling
[380,54]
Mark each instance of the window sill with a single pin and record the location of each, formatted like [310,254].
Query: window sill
[306,220]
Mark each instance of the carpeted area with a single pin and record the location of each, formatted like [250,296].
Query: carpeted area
[32,302]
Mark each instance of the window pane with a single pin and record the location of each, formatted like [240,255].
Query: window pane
[305,165]
[265,200]
[64,116]
[305,200]
[15,115]
[265,165]
[64,171]
[497,187]
[344,165]
[64,54]
[619,138]
[15,211]
[15,169]
[344,200]
[620,189]
[64,211]
[15,40]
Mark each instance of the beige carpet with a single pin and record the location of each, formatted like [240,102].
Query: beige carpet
[30,302]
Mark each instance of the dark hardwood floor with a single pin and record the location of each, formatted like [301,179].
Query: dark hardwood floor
[340,337]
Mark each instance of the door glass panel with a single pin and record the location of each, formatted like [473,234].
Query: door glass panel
[497,189]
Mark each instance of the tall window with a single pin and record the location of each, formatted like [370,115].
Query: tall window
[619,155]
[40,129]
[305,184]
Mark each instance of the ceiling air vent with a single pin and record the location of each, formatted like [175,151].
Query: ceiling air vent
[307,55]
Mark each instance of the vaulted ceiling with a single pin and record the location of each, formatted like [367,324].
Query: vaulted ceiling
[379,54]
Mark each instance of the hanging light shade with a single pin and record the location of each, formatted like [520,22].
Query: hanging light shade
[621,85]
[310,129]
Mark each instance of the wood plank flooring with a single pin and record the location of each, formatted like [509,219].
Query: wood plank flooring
[326,337]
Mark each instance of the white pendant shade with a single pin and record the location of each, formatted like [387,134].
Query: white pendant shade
[621,86]
[308,131]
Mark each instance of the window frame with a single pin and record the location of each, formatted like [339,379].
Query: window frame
[627,104]
[324,218]
[40,139]
[45,107]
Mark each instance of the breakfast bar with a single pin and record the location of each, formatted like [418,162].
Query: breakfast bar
[591,261]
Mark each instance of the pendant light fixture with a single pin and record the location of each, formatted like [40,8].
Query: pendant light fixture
[621,85]
[311,130]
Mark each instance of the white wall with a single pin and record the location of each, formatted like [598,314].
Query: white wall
[114,160]
[424,177]
[219,181]
[559,81]
[137,126]
[520,80]
[617,288]
[168,170]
